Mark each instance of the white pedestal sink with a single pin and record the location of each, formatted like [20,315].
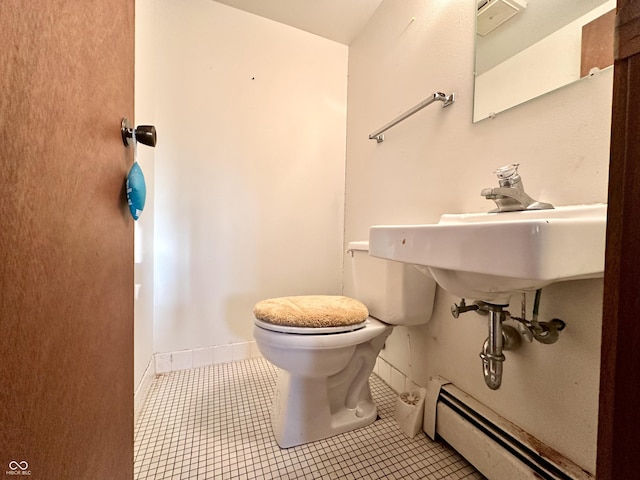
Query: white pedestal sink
[490,256]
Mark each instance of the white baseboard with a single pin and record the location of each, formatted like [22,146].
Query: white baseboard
[204,357]
[143,389]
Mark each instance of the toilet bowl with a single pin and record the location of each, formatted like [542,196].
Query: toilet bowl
[323,379]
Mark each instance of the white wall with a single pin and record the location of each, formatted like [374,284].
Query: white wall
[249,186]
[438,161]
[144,115]
[249,169]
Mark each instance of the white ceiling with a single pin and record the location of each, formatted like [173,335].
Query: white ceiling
[337,20]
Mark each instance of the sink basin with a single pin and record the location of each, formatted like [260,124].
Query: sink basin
[491,256]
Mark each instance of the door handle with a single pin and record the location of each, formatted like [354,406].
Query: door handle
[145,134]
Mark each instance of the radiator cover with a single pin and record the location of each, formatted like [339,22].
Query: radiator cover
[497,448]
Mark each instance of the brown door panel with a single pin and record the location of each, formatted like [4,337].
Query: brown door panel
[66,239]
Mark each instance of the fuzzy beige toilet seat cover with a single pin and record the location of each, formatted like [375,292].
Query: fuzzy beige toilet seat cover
[311,311]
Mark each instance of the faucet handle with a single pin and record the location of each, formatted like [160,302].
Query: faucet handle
[508,175]
[507,171]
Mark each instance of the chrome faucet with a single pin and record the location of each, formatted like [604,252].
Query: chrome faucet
[510,195]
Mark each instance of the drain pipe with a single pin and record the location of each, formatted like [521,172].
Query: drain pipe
[505,337]
[491,355]
[501,338]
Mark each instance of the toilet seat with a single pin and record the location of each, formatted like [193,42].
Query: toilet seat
[311,341]
[309,330]
[312,311]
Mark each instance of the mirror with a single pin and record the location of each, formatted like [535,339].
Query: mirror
[525,49]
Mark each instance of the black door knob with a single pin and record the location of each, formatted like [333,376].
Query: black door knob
[145,134]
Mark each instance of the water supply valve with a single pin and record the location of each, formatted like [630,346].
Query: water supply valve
[543,332]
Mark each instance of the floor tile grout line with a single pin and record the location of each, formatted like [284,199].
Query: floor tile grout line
[208,408]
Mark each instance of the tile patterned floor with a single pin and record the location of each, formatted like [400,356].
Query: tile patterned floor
[213,423]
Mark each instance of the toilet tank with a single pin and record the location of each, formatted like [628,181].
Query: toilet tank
[395,293]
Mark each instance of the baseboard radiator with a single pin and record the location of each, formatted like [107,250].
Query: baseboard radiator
[496,447]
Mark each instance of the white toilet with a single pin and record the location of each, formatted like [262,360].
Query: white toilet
[323,382]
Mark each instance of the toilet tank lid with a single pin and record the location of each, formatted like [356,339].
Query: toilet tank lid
[361,245]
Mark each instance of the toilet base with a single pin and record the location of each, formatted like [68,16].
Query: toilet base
[323,381]
[301,411]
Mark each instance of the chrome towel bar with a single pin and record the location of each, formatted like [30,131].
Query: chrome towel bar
[437,96]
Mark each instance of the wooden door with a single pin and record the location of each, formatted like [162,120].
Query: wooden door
[66,240]
[619,418]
